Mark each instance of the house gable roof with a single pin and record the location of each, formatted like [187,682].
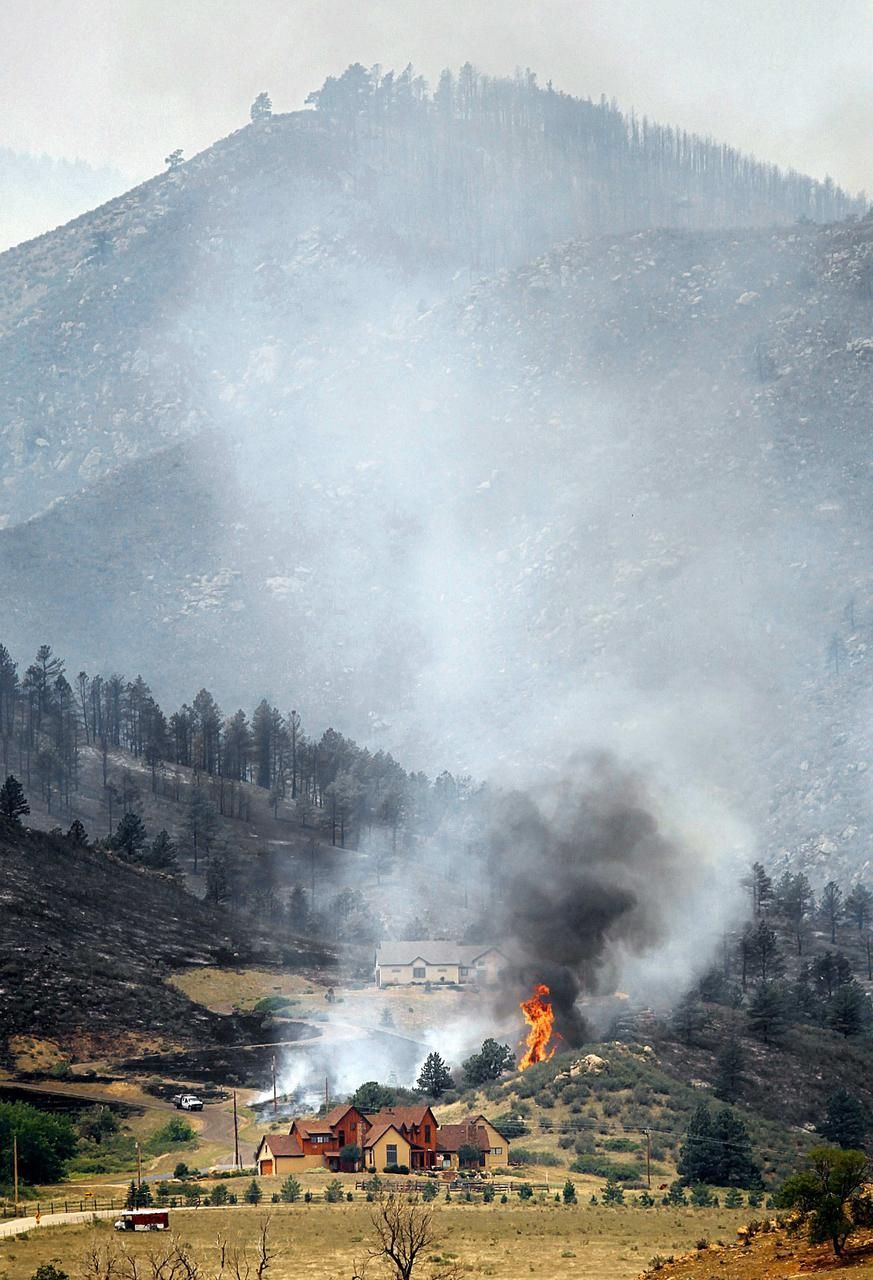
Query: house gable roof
[405,1117]
[333,1118]
[280,1144]
[379,1130]
[306,1128]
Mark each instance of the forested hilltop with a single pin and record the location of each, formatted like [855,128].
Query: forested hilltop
[377,199]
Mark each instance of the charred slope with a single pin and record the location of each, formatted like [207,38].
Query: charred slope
[86,944]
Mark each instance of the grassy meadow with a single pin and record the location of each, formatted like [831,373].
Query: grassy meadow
[322,1241]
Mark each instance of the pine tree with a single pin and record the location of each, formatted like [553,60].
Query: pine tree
[849,1010]
[298,909]
[162,853]
[254,1194]
[13,801]
[129,837]
[768,1014]
[859,906]
[717,1149]
[434,1077]
[729,1070]
[689,1018]
[831,906]
[290,1190]
[77,834]
[218,878]
[262,108]
[762,889]
[847,1122]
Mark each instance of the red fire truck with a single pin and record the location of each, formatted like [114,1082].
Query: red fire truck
[143,1220]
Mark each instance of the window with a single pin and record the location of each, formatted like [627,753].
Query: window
[496,1151]
[320,1138]
[391,1153]
[418,973]
[427,1133]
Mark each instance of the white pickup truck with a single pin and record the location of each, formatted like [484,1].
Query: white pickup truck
[187,1102]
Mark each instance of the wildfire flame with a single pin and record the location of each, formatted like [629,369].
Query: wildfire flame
[539,1016]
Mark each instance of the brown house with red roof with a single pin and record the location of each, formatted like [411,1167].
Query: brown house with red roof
[313,1144]
[415,1126]
[405,1136]
[457,1143]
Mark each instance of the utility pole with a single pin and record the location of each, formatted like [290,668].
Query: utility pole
[235,1134]
[138,1167]
[15,1167]
[648,1158]
[326,1094]
[275,1101]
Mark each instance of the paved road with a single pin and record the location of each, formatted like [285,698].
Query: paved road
[17,1226]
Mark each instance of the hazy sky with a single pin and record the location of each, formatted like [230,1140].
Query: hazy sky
[121,82]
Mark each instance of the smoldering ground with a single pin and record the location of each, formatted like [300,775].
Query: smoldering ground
[599,880]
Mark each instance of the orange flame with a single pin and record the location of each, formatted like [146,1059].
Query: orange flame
[539,1016]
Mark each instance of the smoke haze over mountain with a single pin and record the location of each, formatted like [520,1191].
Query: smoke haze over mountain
[424,425]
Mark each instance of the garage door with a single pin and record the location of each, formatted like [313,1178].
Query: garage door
[266,1168]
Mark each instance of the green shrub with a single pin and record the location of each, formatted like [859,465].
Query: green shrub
[602,1167]
[429,1192]
[527,1155]
[620,1144]
[218,1194]
[49,1272]
[333,1192]
[273,1004]
[175,1133]
[525,1191]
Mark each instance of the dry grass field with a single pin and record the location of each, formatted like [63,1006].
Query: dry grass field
[322,1241]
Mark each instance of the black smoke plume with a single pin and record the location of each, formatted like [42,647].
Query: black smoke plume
[584,875]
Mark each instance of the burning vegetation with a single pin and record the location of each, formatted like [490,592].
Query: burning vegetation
[539,1016]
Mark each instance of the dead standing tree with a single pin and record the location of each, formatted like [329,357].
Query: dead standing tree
[403,1228]
[177,1261]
